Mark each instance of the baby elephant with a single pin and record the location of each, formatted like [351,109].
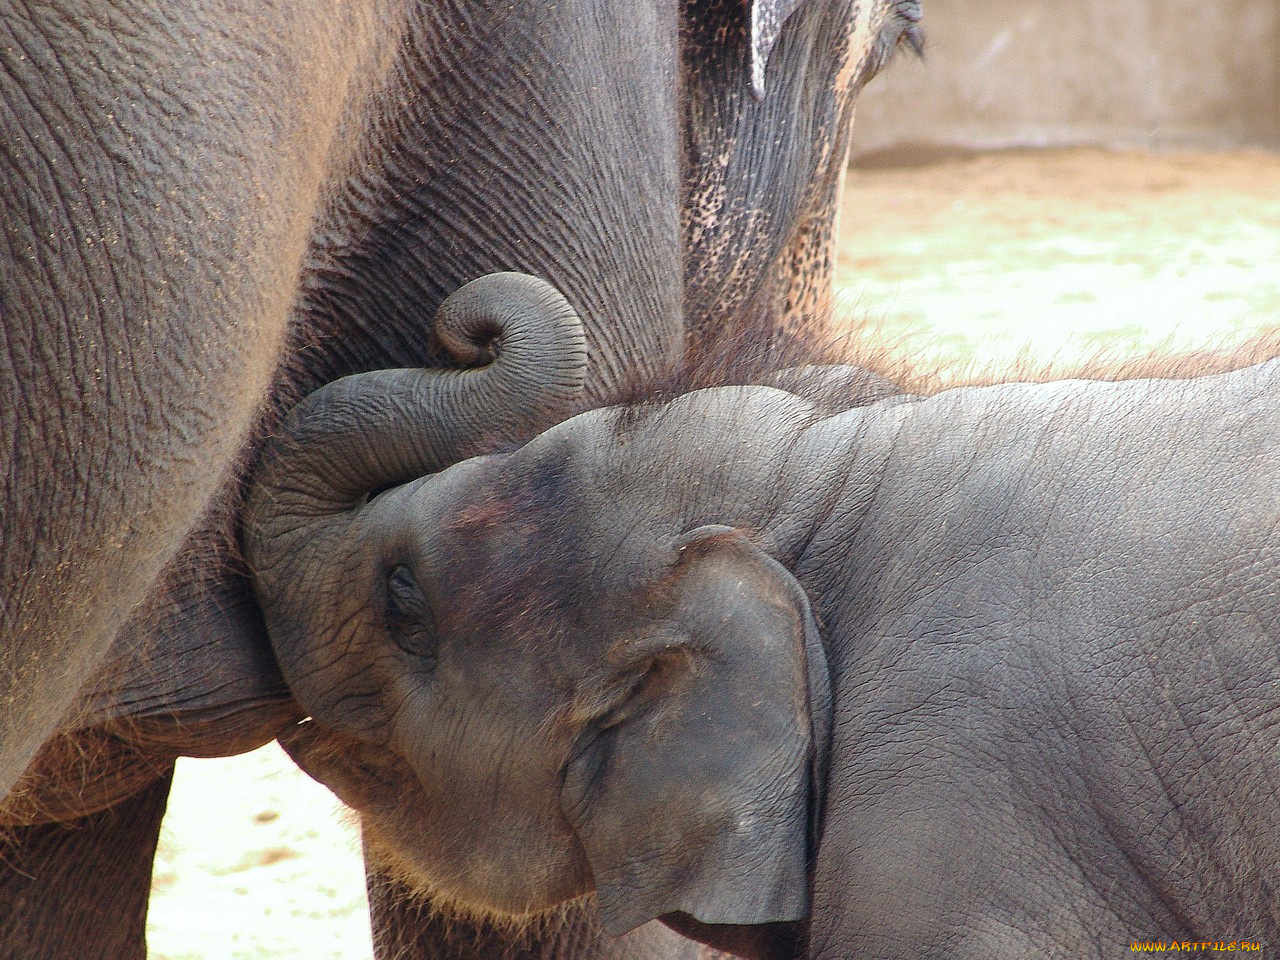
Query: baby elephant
[989,675]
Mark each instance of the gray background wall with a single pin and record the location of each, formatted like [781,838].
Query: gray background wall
[1124,73]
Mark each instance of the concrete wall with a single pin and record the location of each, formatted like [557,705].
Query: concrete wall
[1124,73]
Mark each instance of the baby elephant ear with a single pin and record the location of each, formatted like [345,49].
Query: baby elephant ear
[701,800]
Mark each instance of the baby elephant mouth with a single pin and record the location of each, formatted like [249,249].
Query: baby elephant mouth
[483,867]
[363,775]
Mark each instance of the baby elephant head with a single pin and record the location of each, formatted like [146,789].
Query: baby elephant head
[527,692]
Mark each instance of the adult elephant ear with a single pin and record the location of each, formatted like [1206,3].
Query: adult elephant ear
[767,20]
[701,798]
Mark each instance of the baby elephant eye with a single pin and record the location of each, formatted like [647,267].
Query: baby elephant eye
[410,619]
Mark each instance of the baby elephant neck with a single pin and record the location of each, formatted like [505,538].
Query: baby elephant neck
[733,456]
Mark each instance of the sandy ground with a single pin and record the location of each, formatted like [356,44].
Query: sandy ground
[1063,253]
[988,258]
[256,861]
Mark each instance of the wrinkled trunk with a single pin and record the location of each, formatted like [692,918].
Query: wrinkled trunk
[362,433]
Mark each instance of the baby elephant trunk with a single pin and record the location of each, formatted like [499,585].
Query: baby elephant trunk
[522,358]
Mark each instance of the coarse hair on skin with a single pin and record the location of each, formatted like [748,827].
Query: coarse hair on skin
[77,774]
[756,352]
[753,354]
[458,919]
[430,900]
[1109,363]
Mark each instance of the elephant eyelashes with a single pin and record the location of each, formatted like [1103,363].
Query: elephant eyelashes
[410,620]
[907,15]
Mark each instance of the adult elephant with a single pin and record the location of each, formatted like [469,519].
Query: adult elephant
[210,209]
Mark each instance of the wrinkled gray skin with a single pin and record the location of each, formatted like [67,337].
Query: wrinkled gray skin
[208,210]
[1038,623]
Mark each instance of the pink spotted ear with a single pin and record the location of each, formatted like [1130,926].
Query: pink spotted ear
[767,20]
[703,802]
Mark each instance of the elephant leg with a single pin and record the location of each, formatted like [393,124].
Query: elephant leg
[79,890]
[406,928]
